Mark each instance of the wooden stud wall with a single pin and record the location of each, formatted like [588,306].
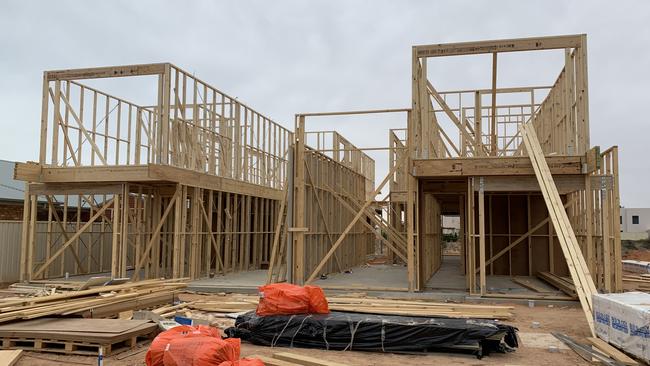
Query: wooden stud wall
[328,187]
[193,126]
[163,228]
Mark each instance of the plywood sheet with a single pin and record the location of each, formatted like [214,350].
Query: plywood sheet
[73,325]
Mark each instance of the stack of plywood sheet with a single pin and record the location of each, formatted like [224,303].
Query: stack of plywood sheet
[75,335]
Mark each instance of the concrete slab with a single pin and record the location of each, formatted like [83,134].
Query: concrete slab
[379,276]
[540,340]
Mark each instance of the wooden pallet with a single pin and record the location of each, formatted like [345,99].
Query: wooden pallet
[76,336]
[75,347]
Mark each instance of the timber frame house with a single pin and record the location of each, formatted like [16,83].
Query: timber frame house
[200,184]
[488,178]
[192,186]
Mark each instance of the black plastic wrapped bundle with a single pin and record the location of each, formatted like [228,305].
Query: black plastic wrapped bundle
[378,333]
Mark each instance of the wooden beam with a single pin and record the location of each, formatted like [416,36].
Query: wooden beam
[145,173]
[564,183]
[106,72]
[347,113]
[582,279]
[502,45]
[490,166]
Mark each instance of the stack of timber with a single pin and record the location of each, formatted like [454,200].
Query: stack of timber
[76,336]
[636,283]
[565,284]
[98,302]
[580,274]
[240,303]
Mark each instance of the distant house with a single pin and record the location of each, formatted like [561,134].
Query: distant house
[635,223]
[12,193]
[12,196]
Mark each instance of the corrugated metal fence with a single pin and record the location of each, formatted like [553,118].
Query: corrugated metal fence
[10,232]
[10,235]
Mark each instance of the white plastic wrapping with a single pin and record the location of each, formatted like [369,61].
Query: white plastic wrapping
[624,321]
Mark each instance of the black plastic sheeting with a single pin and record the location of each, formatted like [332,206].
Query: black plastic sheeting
[378,333]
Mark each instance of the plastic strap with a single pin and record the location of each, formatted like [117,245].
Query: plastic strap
[383,335]
[327,345]
[298,330]
[276,337]
[353,331]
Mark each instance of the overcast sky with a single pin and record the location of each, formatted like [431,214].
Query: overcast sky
[284,57]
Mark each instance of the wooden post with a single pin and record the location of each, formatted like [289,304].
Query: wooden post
[493,121]
[478,125]
[481,231]
[299,202]
[471,238]
[178,232]
[115,252]
[25,271]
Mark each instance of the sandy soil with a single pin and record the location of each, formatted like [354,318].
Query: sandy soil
[568,320]
[638,254]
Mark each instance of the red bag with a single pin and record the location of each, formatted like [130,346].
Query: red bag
[287,299]
[197,346]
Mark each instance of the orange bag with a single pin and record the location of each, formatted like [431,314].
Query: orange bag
[195,345]
[287,299]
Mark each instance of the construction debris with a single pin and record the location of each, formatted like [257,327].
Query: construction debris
[98,302]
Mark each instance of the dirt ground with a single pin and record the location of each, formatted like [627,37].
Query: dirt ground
[569,320]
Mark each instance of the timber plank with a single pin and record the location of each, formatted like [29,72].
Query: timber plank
[10,357]
[493,166]
[305,360]
[611,351]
